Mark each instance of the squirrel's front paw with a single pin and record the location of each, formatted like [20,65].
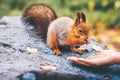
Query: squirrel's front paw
[57,52]
[80,51]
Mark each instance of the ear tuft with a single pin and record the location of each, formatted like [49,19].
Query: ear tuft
[83,17]
[77,19]
[80,18]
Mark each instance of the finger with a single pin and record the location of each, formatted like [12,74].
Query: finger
[81,63]
[78,61]
[87,62]
[92,62]
[71,58]
[91,57]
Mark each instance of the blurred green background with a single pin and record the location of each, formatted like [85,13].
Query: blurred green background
[105,11]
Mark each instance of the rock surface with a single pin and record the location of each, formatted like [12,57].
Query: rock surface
[16,59]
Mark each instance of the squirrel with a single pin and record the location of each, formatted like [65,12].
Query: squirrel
[55,31]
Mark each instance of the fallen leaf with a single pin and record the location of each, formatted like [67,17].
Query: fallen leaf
[97,48]
[49,67]
[83,49]
[32,49]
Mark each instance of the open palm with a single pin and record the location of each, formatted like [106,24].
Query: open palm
[105,57]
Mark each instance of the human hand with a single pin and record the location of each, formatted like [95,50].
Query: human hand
[105,57]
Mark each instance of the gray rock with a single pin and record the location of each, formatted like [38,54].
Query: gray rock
[16,60]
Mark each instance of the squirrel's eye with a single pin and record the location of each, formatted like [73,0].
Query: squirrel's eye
[80,30]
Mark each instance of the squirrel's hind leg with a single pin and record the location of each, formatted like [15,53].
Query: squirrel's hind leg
[55,44]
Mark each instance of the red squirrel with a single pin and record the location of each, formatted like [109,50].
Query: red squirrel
[62,31]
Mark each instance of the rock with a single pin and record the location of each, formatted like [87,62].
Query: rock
[51,75]
[17,61]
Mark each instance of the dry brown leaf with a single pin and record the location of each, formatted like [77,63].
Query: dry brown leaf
[83,49]
[97,48]
[49,67]
[31,49]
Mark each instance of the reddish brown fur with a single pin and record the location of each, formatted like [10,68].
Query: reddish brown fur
[76,37]
[40,16]
[62,34]
[55,44]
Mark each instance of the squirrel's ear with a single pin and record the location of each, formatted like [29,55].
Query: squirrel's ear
[83,17]
[77,21]
[80,18]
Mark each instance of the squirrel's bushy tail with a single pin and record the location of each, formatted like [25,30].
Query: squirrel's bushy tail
[39,16]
